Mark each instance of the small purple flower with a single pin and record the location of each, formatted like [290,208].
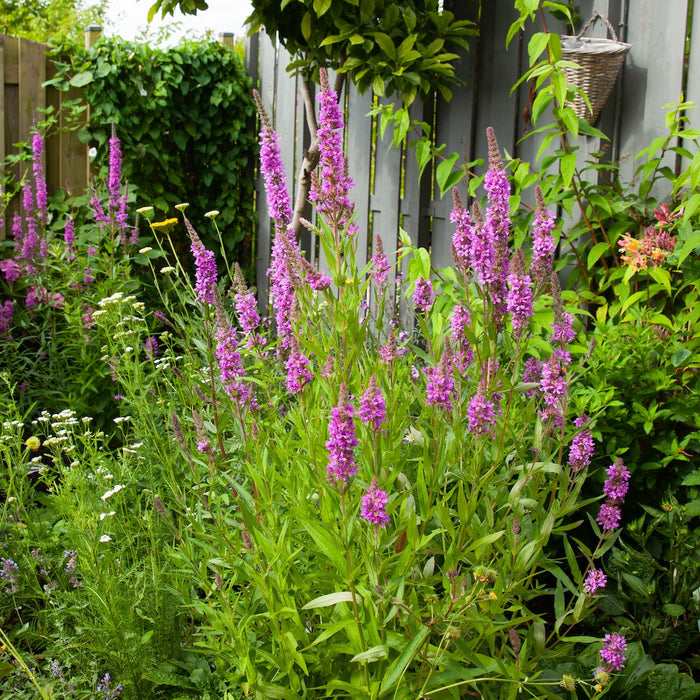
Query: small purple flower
[595,580]
[372,409]
[374,505]
[9,572]
[532,373]
[613,650]
[246,306]
[342,440]
[151,347]
[72,557]
[316,279]
[423,295]
[11,269]
[582,446]
[104,687]
[228,358]
[440,385]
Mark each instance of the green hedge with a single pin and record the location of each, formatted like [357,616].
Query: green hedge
[185,117]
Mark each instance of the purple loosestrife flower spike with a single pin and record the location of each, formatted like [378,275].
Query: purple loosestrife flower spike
[582,446]
[205,267]
[554,387]
[440,385]
[612,653]
[151,347]
[423,295]
[543,244]
[7,310]
[463,352]
[481,413]
[115,170]
[331,187]
[519,300]
[246,306]
[390,351]
[317,280]
[380,263]
[341,441]
[615,488]
[372,411]
[298,372]
[69,238]
[42,197]
[595,580]
[229,359]
[374,503]
[462,238]
[497,226]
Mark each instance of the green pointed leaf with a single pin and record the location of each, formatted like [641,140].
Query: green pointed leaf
[373,654]
[329,599]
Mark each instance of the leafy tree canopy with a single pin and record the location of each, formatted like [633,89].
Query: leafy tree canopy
[45,20]
[396,48]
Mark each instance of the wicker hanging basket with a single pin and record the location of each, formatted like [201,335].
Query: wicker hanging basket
[600,61]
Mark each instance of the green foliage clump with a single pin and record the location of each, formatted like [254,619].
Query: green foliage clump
[185,120]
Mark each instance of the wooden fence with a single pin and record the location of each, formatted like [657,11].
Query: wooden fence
[655,74]
[24,67]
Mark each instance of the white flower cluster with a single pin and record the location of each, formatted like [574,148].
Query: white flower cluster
[111,492]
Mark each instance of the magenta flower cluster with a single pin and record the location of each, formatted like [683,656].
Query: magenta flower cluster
[423,295]
[331,186]
[374,504]
[615,488]
[594,581]
[341,442]
[298,372]
[582,445]
[613,651]
[440,385]
[372,411]
[462,352]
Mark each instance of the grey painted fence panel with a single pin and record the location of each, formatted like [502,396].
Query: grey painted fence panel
[634,115]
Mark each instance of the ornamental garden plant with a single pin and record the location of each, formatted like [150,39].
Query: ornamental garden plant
[315,504]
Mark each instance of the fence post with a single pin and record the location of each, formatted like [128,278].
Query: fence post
[226,38]
[92,35]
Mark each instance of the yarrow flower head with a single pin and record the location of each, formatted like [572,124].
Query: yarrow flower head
[374,505]
[612,653]
[342,440]
[595,580]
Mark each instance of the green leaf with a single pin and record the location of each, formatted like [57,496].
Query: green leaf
[567,166]
[398,667]
[537,44]
[321,7]
[82,79]
[680,356]
[596,252]
[373,654]
[329,599]
[673,609]
[386,45]
[692,479]
[443,172]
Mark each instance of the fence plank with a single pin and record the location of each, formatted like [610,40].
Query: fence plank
[653,77]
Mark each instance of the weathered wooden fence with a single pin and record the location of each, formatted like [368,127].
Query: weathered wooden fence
[24,68]
[386,195]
